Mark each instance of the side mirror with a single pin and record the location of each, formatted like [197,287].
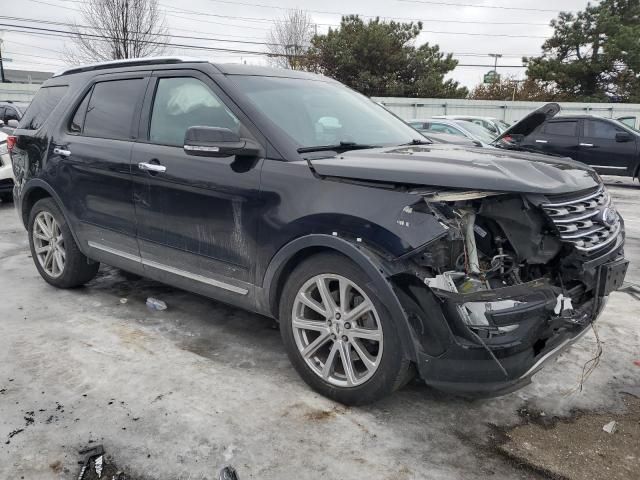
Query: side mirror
[13,123]
[218,142]
[623,137]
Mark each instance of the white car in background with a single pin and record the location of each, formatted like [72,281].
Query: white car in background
[430,126]
[494,125]
[6,170]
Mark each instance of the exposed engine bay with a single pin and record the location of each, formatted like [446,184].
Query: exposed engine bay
[503,265]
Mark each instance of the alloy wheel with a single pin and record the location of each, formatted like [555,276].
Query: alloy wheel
[48,244]
[337,330]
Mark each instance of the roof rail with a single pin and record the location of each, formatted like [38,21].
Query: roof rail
[129,62]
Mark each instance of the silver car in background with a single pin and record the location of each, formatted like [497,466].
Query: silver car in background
[494,125]
[477,134]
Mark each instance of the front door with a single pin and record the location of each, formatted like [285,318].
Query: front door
[94,153]
[600,149]
[195,215]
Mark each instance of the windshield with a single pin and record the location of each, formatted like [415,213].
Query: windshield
[624,124]
[316,113]
[480,133]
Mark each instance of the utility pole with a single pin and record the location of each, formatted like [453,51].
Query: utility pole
[1,64]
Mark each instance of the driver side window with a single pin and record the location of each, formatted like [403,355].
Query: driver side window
[183,102]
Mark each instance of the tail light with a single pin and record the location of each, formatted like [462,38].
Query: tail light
[11,142]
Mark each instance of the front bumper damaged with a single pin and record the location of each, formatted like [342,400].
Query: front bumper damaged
[526,326]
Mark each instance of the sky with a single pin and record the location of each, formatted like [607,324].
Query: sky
[470,29]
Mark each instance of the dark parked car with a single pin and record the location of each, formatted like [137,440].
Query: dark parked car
[607,145]
[290,195]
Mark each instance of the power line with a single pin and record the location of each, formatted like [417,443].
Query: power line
[67,34]
[410,19]
[248,42]
[188,37]
[475,5]
[268,20]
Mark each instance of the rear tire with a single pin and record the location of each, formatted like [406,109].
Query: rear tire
[356,325]
[53,249]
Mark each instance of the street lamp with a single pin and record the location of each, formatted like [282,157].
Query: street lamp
[496,56]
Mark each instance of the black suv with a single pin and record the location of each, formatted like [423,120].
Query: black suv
[290,195]
[609,146]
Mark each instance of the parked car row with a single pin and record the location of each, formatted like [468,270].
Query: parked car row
[608,145]
[10,115]
[6,170]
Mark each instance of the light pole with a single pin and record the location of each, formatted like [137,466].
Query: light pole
[496,56]
[1,63]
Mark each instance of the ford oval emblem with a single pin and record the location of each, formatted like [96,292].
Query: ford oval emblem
[608,216]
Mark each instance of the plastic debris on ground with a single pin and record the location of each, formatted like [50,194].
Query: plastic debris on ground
[610,427]
[155,304]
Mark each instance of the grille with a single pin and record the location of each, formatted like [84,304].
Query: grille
[588,221]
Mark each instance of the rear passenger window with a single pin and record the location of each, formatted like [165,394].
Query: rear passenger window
[567,129]
[112,107]
[184,102]
[41,106]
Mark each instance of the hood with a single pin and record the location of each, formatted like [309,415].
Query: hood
[529,123]
[453,166]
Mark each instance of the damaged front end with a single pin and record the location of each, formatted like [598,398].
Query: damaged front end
[509,282]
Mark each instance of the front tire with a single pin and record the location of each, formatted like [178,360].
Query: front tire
[53,249]
[338,335]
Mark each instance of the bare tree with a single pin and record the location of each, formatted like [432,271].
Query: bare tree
[289,39]
[118,29]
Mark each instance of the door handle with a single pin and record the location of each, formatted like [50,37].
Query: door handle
[542,141]
[61,151]
[152,167]
[588,145]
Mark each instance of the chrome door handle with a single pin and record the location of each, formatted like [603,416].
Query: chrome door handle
[590,145]
[152,167]
[61,151]
[542,141]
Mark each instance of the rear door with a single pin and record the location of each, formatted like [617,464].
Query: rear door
[600,149]
[94,151]
[557,137]
[196,215]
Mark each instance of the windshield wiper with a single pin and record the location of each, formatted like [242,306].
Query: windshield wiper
[417,141]
[341,147]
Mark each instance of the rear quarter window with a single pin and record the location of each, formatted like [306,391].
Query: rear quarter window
[41,107]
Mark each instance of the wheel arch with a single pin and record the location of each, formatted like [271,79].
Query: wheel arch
[375,266]
[35,190]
